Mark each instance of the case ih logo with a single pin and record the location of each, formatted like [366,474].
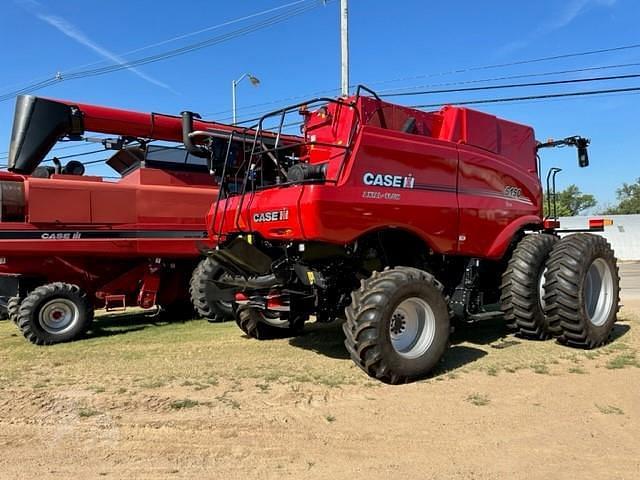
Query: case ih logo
[61,236]
[385,180]
[273,216]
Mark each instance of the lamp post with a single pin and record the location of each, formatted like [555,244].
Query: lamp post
[344,47]
[234,84]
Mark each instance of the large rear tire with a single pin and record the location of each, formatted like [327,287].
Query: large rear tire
[202,296]
[262,325]
[398,325]
[522,287]
[582,290]
[54,313]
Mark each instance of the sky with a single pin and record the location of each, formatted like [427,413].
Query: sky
[404,44]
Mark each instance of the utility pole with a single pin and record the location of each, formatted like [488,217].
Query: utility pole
[344,44]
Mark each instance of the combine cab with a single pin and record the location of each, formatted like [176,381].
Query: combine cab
[71,243]
[404,222]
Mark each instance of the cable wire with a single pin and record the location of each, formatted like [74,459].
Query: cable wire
[170,53]
[531,97]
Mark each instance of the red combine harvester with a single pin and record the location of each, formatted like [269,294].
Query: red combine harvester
[401,221]
[70,243]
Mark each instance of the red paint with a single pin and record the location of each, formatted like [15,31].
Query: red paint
[145,201]
[474,175]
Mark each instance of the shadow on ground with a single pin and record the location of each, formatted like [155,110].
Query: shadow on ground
[327,339]
[619,331]
[108,325]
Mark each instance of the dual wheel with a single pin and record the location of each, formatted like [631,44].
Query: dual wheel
[565,288]
[54,313]
[398,324]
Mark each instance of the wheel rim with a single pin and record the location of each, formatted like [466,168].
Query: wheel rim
[412,327]
[58,316]
[274,319]
[541,291]
[598,292]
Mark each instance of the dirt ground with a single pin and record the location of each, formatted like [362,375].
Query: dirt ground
[139,399]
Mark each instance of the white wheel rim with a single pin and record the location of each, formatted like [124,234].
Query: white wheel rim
[598,295]
[412,328]
[58,316]
[541,291]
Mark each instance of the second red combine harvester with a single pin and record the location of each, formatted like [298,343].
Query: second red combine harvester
[401,221]
[71,242]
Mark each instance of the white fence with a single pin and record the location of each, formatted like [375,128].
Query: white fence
[623,235]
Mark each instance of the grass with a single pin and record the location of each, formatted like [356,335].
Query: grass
[153,384]
[609,409]
[540,368]
[626,359]
[264,387]
[479,400]
[184,403]
[228,401]
[492,370]
[137,355]
[330,418]
[86,412]
[577,369]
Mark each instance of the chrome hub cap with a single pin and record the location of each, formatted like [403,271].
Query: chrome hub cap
[598,292]
[412,328]
[58,316]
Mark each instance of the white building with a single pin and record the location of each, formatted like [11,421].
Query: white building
[623,235]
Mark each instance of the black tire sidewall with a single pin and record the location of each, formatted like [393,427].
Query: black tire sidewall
[217,306]
[80,326]
[428,360]
[598,333]
[207,271]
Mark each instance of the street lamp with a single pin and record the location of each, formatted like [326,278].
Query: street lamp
[234,83]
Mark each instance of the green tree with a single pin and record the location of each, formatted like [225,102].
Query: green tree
[628,200]
[571,201]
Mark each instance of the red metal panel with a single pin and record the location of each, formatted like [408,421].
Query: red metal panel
[493,193]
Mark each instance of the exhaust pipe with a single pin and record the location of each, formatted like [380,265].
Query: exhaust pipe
[187,128]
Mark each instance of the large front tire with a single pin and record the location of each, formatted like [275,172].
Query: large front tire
[582,290]
[522,287]
[54,313]
[202,296]
[398,325]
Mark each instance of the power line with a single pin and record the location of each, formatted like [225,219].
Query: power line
[197,46]
[170,53]
[515,77]
[492,87]
[198,32]
[462,82]
[173,39]
[82,154]
[513,85]
[516,63]
[5,155]
[532,97]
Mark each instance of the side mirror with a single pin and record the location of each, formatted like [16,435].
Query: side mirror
[583,152]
